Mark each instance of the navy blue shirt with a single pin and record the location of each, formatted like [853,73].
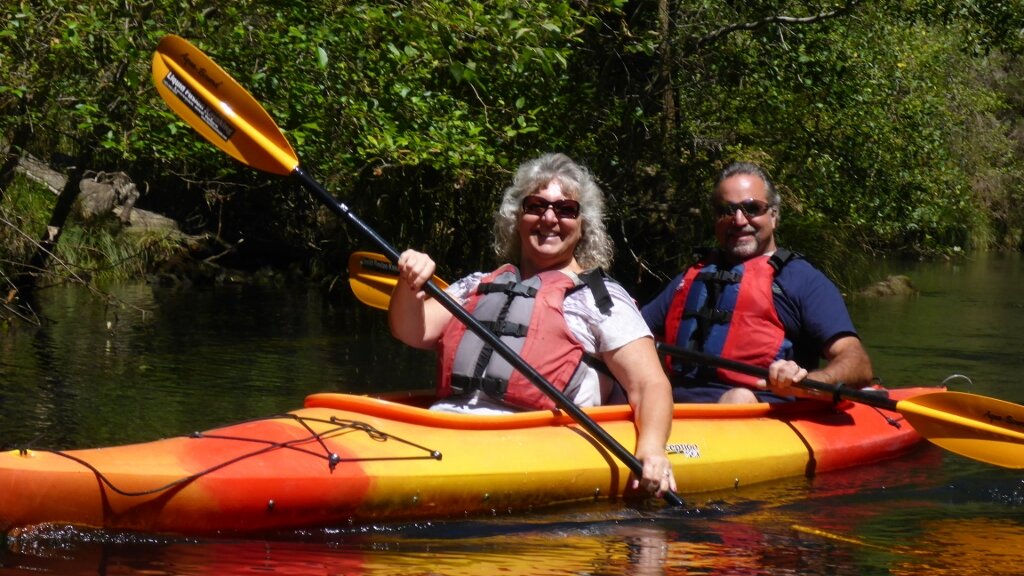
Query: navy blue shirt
[810,308]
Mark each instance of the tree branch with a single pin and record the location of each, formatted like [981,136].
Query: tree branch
[775,19]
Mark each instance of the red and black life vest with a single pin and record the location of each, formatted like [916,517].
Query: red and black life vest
[729,313]
[527,315]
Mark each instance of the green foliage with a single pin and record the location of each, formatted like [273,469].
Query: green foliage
[410,111]
[878,128]
[76,75]
[24,210]
[860,132]
[887,125]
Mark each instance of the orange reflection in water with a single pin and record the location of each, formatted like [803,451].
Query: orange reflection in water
[992,547]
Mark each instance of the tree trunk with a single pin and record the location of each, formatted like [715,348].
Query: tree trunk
[40,259]
[664,84]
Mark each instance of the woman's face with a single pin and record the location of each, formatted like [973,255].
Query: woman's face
[548,241]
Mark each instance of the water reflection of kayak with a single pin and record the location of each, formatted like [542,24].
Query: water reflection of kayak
[344,459]
[610,547]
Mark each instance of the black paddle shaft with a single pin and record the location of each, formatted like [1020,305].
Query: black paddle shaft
[560,400]
[876,398]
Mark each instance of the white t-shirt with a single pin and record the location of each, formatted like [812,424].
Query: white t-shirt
[596,332]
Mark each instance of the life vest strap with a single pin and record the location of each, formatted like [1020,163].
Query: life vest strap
[493,387]
[781,257]
[510,288]
[719,276]
[502,327]
[713,315]
[594,279]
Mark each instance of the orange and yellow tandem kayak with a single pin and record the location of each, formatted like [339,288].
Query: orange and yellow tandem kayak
[344,459]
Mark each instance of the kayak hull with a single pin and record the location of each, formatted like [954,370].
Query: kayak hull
[344,459]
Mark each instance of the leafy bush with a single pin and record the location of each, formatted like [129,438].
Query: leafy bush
[888,125]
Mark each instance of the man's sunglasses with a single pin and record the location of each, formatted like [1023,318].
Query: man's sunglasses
[537,206]
[751,208]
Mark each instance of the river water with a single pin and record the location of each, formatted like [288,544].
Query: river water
[161,362]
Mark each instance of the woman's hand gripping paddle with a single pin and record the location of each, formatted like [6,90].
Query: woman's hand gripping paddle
[373,277]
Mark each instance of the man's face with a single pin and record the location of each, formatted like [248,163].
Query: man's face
[740,235]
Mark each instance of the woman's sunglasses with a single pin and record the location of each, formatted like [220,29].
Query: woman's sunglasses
[537,206]
[751,208]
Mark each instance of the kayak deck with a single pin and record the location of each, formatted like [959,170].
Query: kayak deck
[345,459]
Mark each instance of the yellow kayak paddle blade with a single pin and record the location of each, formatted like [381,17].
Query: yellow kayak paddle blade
[985,429]
[216,106]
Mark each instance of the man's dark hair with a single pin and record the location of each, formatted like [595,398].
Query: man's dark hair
[750,169]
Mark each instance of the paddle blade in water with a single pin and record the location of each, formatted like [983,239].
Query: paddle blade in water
[985,429]
[216,106]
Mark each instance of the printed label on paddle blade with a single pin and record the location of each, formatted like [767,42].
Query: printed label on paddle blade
[215,121]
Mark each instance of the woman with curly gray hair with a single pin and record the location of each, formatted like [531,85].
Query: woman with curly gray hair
[550,303]
[595,248]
